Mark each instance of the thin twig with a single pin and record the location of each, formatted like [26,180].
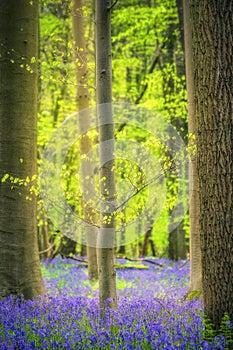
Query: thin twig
[161,304]
[151,69]
[153,179]
[49,248]
[181,266]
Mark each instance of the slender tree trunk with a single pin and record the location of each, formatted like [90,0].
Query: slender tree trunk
[180,9]
[146,242]
[82,98]
[20,267]
[106,236]
[194,206]
[177,248]
[153,247]
[43,237]
[177,243]
[176,240]
[147,237]
[212,26]
[121,250]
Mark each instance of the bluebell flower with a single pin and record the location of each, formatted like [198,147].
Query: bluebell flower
[152,312]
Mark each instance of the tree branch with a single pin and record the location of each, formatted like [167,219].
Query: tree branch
[49,248]
[151,69]
[129,259]
[153,179]
[113,4]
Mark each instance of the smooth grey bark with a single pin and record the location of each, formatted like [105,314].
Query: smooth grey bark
[84,121]
[19,266]
[106,235]
[212,33]
[194,206]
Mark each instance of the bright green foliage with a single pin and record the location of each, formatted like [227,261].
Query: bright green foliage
[57,94]
[148,67]
[147,61]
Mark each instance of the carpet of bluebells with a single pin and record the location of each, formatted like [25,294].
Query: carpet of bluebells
[153,312]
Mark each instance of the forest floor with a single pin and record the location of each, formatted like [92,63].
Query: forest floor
[153,311]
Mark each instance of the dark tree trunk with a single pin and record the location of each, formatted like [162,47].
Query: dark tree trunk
[179,5]
[213,82]
[147,238]
[43,237]
[176,241]
[177,244]
[68,246]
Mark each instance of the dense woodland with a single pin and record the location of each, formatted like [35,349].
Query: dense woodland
[116,141]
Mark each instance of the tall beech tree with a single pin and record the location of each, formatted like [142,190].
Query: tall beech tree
[82,98]
[19,266]
[194,207]
[106,235]
[213,84]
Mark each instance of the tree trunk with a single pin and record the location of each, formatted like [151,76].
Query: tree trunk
[153,247]
[194,205]
[20,267]
[180,9]
[82,98]
[212,26]
[43,237]
[176,246]
[147,237]
[177,243]
[106,235]
[122,250]
[68,246]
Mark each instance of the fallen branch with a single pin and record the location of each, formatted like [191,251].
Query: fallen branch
[129,259]
[73,258]
[145,260]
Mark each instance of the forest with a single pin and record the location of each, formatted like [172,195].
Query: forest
[116,174]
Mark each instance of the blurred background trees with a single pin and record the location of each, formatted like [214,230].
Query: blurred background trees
[148,69]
